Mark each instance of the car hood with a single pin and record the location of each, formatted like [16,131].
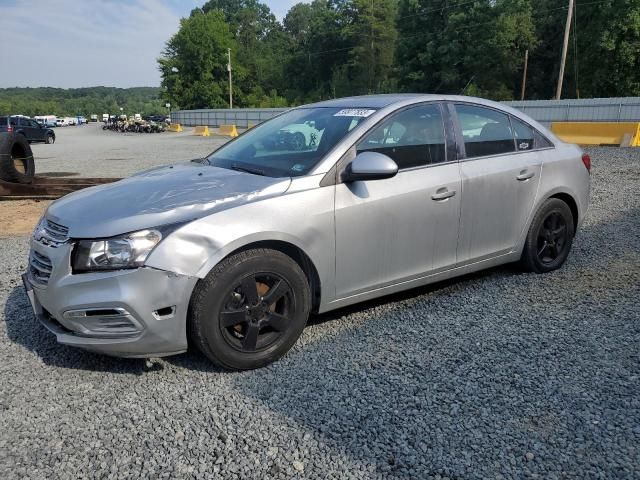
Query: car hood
[160,196]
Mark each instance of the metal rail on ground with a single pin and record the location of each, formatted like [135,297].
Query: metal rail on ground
[48,188]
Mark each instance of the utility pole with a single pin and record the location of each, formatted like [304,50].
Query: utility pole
[565,46]
[230,85]
[524,76]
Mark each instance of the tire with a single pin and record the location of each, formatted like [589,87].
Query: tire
[50,139]
[16,159]
[549,238]
[234,335]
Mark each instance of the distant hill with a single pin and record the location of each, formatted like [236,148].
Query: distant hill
[82,101]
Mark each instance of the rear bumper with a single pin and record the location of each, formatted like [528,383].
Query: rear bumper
[128,313]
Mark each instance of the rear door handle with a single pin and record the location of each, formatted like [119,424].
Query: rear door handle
[442,194]
[524,175]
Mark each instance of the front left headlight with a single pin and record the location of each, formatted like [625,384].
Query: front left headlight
[115,253]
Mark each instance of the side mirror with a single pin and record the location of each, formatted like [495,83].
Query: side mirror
[370,166]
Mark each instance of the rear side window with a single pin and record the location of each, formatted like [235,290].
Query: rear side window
[485,131]
[13,121]
[524,135]
[412,138]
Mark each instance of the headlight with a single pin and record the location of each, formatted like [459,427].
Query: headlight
[115,253]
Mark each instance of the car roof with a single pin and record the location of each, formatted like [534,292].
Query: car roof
[385,100]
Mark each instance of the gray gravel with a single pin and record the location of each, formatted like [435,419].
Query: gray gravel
[495,375]
[88,150]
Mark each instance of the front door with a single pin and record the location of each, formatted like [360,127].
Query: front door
[398,229]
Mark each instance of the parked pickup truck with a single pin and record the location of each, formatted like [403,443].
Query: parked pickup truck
[32,130]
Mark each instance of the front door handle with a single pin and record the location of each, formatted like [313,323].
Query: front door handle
[442,194]
[524,175]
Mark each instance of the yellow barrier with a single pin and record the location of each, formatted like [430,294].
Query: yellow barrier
[624,134]
[175,127]
[229,130]
[202,131]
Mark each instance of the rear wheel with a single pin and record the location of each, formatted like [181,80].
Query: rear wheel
[50,139]
[250,309]
[549,238]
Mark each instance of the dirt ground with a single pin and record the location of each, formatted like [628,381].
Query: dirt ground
[19,217]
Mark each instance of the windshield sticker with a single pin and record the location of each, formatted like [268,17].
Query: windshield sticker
[354,112]
[298,167]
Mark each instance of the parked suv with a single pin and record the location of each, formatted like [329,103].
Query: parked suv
[32,130]
[231,253]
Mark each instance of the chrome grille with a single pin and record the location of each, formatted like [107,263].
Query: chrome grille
[40,268]
[56,232]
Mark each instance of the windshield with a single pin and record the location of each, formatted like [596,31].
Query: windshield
[291,144]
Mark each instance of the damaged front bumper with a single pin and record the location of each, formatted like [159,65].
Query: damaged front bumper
[128,313]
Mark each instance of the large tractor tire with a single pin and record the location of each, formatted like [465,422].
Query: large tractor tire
[16,159]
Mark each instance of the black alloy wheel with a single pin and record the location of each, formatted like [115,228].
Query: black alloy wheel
[256,313]
[549,238]
[250,309]
[552,237]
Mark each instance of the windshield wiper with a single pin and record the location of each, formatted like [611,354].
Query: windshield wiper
[254,171]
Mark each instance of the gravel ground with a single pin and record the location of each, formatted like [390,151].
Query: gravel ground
[89,151]
[495,375]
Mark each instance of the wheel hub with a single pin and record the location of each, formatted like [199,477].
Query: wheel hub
[257,312]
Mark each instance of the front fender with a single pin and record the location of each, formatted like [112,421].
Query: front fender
[304,219]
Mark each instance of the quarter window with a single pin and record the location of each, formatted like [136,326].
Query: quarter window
[412,138]
[485,131]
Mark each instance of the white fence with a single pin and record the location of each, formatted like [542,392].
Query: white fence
[545,111]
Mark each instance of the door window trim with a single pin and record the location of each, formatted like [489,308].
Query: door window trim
[332,177]
[462,151]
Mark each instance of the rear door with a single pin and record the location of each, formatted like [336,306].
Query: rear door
[500,176]
[401,228]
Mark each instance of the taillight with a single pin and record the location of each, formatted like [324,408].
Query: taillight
[586,159]
[9,129]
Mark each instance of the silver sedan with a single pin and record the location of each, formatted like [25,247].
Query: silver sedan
[323,206]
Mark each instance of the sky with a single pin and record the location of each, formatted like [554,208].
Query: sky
[85,43]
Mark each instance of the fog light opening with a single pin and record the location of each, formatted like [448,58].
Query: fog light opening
[165,313]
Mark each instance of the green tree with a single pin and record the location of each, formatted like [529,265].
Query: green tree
[193,63]
[473,48]
[608,49]
[261,49]
[371,33]
[82,101]
[319,47]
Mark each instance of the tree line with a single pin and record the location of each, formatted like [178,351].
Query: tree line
[80,101]
[333,48]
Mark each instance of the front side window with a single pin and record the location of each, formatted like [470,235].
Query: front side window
[485,131]
[291,144]
[412,138]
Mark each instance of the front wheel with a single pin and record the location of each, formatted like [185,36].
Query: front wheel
[250,309]
[549,238]
[50,139]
